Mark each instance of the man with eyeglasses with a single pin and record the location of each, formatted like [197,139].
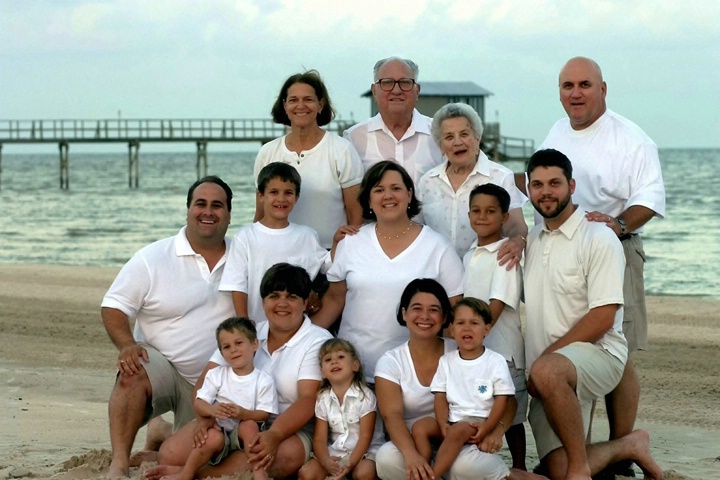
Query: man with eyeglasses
[398,132]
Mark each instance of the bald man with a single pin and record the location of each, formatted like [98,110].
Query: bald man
[618,182]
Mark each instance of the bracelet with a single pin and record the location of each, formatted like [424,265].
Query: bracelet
[503,426]
[523,239]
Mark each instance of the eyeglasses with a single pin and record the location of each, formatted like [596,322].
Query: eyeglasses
[387,84]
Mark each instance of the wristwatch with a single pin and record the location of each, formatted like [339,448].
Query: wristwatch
[623,226]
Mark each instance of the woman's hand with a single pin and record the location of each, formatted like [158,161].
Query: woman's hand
[200,430]
[417,468]
[263,449]
[129,359]
[345,230]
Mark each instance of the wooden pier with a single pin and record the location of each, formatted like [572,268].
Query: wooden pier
[200,131]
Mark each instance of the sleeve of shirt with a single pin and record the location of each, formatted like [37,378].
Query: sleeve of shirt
[349,166]
[309,365]
[647,187]
[338,271]
[321,406]
[605,269]
[266,395]
[217,358]
[211,385]
[506,286]
[451,271]
[130,288]
[517,199]
[320,259]
[503,384]
[387,368]
[369,403]
[439,381]
[235,272]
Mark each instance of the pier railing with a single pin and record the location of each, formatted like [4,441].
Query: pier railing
[148,130]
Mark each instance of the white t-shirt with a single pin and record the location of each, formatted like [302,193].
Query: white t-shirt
[296,360]
[397,367]
[174,298]
[344,419]
[416,150]
[256,248]
[471,385]
[486,279]
[615,165]
[325,170]
[254,391]
[375,284]
[569,271]
[445,210]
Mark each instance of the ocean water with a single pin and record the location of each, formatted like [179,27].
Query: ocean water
[100,221]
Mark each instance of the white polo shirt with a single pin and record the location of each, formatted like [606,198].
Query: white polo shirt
[416,151]
[615,165]
[174,298]
[569,271]
[445,210]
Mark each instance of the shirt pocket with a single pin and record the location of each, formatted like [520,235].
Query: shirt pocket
[568,281]
[336,424]
[483,389]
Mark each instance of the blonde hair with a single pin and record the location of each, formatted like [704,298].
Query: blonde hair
[341,345]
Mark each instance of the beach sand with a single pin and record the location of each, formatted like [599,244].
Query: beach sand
[57,370]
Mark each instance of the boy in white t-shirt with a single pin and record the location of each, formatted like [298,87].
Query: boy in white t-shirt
[238,396]
[502,290]
[471,386]
[271,240]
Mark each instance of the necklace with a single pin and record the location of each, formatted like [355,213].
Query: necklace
[396,236]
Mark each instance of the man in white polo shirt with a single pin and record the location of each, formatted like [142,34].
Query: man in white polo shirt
[398,132]
[171,290]
[575,348]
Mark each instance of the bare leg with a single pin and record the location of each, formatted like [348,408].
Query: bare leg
[457,436]
[364,470]
[422,431]
[200,456]
[515,437]
[634,446]
[555,379]
[126,410]
[312,470]
[622,405]
[158,429]
[247,431]
[288,460]
[516,474]
[173,453]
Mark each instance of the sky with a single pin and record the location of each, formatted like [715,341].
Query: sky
[223,59]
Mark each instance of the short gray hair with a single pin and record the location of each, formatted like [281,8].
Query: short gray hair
[456,110]
[411,65]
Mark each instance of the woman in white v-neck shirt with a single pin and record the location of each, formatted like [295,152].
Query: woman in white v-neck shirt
[372,267]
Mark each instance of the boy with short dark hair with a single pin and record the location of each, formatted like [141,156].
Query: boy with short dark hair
[502,290]
[271,240]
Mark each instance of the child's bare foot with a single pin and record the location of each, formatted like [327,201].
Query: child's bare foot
[137,458]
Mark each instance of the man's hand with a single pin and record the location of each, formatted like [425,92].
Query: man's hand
[129,359]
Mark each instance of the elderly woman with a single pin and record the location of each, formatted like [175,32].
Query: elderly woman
[329,166]
[445,190]
[288,351]
[402,384]
[372,267]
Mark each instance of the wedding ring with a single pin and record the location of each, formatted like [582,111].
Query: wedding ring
[122,361]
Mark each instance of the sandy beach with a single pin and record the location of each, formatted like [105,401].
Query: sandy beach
[57,370]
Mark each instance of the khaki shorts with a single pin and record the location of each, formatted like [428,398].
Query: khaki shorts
[170,391]
[635,323]
[521,395]
[598,373]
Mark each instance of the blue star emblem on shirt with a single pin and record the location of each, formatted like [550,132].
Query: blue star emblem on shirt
[482,388]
